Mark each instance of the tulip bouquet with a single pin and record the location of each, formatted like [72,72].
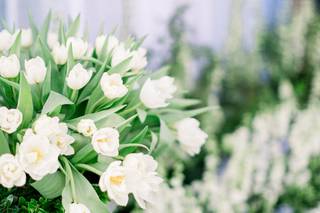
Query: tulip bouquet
[78,121]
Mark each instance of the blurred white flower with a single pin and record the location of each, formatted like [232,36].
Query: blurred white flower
[60,54]
[139,59]
[9,66]
[37,156]
[112,86]
[26,37]
[78,77]
[113,181]
[190,136]
[86,127]
[10,119]
[119,54]
[78,208]
[79,47]
[52,40]
[56,132]
[111,40]
[106,141]
[35,70]
[6,40]
[156,93]
[11,173]
[141,177]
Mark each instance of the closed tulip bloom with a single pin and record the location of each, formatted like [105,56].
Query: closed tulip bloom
[6,40]
[9,66]
[106,141]
[190,136]
[11,173]
[78,77]
[86,127]
[26,37]
[156,93]
[60,54]
[139,59]
[112,86]
[79,47]
[52,40]
[10,119]
[119,54]
[35,70]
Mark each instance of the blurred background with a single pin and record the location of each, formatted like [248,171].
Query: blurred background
[257,62]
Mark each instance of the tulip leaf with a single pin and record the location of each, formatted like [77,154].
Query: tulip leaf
[184,102]
[4,145]
[83,191]
[10,83]
[46,86]
[74,26]
[25,104]
[15,48]
[166,134]
[142,114]
[134,143]
[45,27]
[51,185]
[55,100]
[85,154]
[96,117]
[122,67]
[62,35]
[154,141]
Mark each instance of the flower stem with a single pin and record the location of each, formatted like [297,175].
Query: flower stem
[70,176]
[89,168]
[74,95]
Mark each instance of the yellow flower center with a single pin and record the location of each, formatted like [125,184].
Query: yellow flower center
[116,180]
[38,154]
[104,140]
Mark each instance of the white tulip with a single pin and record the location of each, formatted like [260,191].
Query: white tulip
[26,37]
[6,40]
[79,47]
[156,93]
[119,54]
[86,127]
[112,86]
[139,59]
[56,132]
[9,66]
[190,136]
[60,54]
[52,40]
[78,77]
[113,181]
[35,70]
[106,141]
[112,42]
[78,208]
[141,177]
[11,173]
[37,156]
[10,119]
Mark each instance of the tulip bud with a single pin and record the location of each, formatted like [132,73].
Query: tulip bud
[6,40]
[60,54]
[35,70]
[26,38]
[52,40]
[112,42]
[79,47]
[112,86]
[9,66]
[78,77]
[119,54]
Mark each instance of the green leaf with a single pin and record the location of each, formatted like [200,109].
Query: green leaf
[4,145]
[32,26]
[85,194]
[45,27]
[15,48]
[85,154]
[122,67]
[73,28]
[133,143]
[46,86]
[25,104]
[62,35]
[154,141]
[10,83]
[51,185]
[55,100]
[92,83]
[96,117]
[166,134]
[184,102]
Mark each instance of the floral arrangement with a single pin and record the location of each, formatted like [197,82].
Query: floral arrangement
[78,121]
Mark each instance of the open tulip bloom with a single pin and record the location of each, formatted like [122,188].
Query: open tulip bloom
[66,109]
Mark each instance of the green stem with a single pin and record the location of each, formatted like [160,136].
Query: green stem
[70,175]
[89,168]
[96,61]
[131,109]
[74,96]
[39,89]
